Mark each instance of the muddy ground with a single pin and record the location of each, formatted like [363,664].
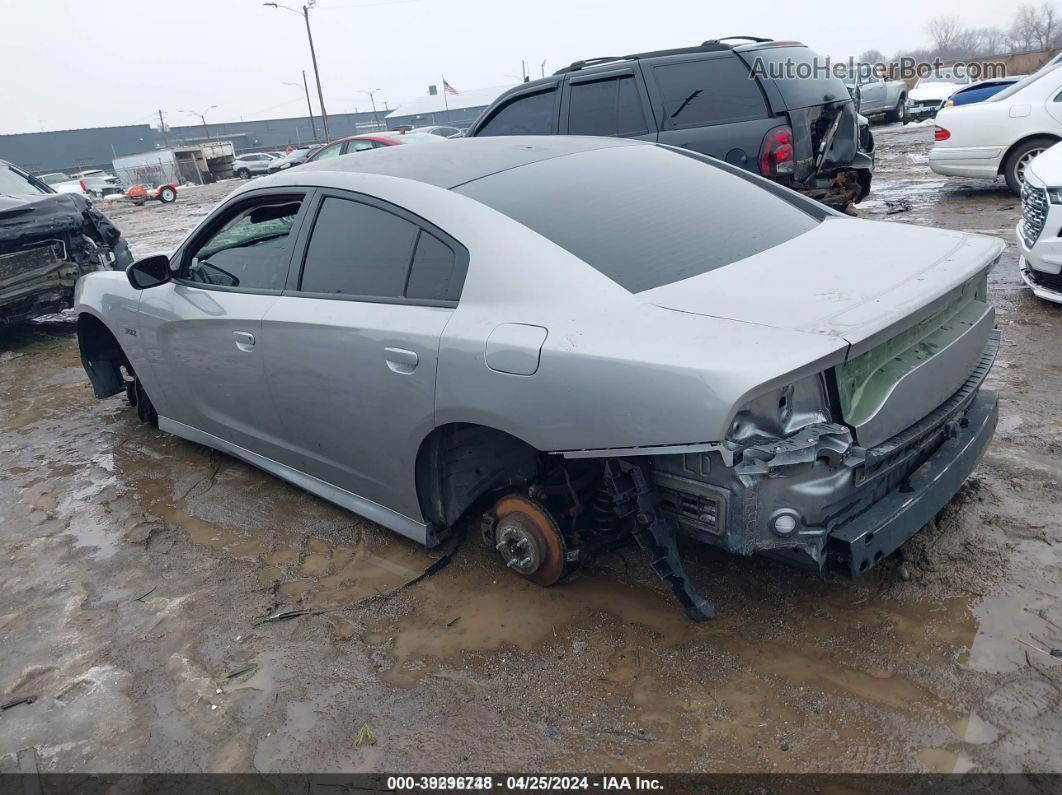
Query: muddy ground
[135,566]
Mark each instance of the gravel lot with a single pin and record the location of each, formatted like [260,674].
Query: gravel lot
[136,565]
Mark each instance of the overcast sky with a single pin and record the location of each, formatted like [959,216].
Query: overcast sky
[70,63]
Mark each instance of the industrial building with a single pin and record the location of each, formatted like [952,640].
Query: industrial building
[458,110]
[71,151]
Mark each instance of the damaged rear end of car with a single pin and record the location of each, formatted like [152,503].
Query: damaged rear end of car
[835,470]
[831,157]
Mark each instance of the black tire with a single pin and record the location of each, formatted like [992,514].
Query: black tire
[138,399]
[899,113]
[167,195]
[1019,158]
[243,173]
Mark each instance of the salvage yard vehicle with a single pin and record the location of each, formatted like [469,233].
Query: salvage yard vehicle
[1002,135]
[510,333]
[1038,232]
[296,157]
[253,163]
[876,96]
[981,90]
[932,91]
[47,241]
[718,98]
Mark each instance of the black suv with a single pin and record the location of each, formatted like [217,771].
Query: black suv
[767,106]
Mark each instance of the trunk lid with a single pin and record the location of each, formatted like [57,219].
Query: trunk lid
[910,302]
[863,281]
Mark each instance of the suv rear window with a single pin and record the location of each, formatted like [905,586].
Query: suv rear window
[806,84]
[686,216]
[708,91]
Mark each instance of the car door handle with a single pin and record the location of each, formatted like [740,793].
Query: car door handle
[244,340]
[399,360]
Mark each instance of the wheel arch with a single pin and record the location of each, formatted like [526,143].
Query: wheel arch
[1010,149]
[459,463]
[102,355]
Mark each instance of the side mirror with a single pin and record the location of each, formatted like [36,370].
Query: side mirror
[149,272]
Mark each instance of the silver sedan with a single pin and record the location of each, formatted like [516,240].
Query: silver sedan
[573,342]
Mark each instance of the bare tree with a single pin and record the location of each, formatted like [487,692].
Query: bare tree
[872,56]
[944,31]
[1035,27]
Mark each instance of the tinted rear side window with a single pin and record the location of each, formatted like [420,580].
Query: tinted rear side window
[709,91]
[606,107]
[686,216]
[798,74]
[358,249]
[434,273]
[527,115]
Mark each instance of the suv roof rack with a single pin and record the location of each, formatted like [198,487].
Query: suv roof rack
[711,45]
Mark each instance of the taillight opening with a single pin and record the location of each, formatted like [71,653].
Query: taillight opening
[83,188]
[940,134]
[777,158]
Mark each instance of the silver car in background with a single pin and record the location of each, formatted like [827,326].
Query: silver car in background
[570,341]
[252,164]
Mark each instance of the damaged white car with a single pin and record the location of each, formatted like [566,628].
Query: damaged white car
[569,341]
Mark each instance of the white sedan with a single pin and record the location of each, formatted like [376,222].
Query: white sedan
[1000,136]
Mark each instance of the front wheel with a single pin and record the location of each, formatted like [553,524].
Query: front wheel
[1018,160]
[167,195]
[899,113]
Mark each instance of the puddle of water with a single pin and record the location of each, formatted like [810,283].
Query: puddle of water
[975,729]
[941,760]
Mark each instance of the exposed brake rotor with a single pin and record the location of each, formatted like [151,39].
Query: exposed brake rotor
[528,540]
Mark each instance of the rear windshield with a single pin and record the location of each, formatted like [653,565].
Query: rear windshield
[1022,84]
[798,74]
[645,216]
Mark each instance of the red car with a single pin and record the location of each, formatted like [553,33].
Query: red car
[363,143]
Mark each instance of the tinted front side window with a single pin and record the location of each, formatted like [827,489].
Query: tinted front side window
[606,107]
[710,91]
[527,115]
[687,216]
[358,249]
[250,251]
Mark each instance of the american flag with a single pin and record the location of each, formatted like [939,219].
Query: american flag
[449,89]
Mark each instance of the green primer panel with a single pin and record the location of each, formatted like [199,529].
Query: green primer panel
[866,382]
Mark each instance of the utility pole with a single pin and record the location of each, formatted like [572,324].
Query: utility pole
[316,73]
[313,56]
[372,98]
[309,107]
[162,129]
[202,118]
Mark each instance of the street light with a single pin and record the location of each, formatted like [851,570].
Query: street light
[375,118]
[313,56]
[309,107]
[202,118]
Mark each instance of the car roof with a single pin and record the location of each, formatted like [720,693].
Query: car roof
[463,160]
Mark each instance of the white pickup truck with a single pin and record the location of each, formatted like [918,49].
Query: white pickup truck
[876,96]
